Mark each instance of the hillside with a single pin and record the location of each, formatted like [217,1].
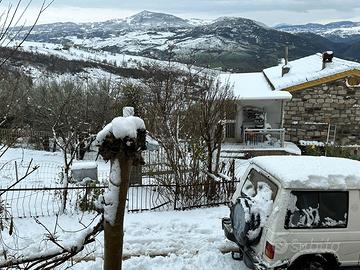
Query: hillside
[233,44]
[40,60]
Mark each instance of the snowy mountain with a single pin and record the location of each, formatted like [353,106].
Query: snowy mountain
[142,21]
[229,43]
[342,31]
[149,19]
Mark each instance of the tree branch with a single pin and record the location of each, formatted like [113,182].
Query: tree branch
[49,260]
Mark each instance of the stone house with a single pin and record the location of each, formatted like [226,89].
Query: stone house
[325,104]
[315,100]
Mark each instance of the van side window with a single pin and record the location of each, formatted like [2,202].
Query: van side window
[317,209]
[255,181]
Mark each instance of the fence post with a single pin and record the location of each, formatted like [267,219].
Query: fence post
[87,191]
[176,195]
[233,187]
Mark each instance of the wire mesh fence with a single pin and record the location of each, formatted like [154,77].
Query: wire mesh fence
[32,139]
[42,192]
[24,202]
[47,173]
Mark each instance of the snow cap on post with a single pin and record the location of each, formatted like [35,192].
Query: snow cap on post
[121,127]
[128,111]
[123,134]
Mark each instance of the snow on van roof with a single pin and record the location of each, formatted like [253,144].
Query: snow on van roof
[309,172]
[252,86]
[307,69]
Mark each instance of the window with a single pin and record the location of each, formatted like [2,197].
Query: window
[313,209]
[256,181]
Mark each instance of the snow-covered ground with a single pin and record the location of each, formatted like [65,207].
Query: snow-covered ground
[80,52]
[132,41]
[89,54]
[153,240]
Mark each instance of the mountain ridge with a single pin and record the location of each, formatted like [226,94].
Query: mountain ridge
[230,43]
[339,31]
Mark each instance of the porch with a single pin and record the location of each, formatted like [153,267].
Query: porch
[256,124]
[242,151]
[255,142]
[254,137]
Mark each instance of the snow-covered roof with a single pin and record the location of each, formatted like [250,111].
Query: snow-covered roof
[252,86]
[307,69]
[78,165]
[308,172]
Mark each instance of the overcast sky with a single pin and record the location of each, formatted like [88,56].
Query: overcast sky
[270,12]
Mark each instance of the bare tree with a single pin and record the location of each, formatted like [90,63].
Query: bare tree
[168,95]
[72,105]
[184,110]
[59,254]
[47,259]
[212,103]
[72,112]
[13,26]
[14,92]
[10,30]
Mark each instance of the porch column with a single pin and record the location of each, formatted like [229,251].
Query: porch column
[282,113]
[238,121]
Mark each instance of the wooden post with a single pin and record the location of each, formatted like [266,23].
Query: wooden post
[176,195]
[123,154]
[114,234]
[123,151]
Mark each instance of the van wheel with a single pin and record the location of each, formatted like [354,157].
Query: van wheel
[317,262]
[314,265]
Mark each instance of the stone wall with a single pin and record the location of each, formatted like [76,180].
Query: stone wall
[308,114]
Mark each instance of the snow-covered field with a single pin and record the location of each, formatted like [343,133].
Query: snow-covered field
[87,54]
[80,52]
[153,240]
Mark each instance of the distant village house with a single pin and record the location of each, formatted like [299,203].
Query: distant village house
[315,99]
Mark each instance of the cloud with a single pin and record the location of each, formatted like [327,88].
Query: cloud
[267,11]
[217,5]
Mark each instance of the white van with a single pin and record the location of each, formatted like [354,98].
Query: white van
[297,212]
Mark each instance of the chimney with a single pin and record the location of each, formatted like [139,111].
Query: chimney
[327,57]
[286,68]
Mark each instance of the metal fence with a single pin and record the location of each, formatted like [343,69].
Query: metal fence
[211,193]
[229,129]
[26,202]
[47,174]
[264,137]
[40,140]
[43,194]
